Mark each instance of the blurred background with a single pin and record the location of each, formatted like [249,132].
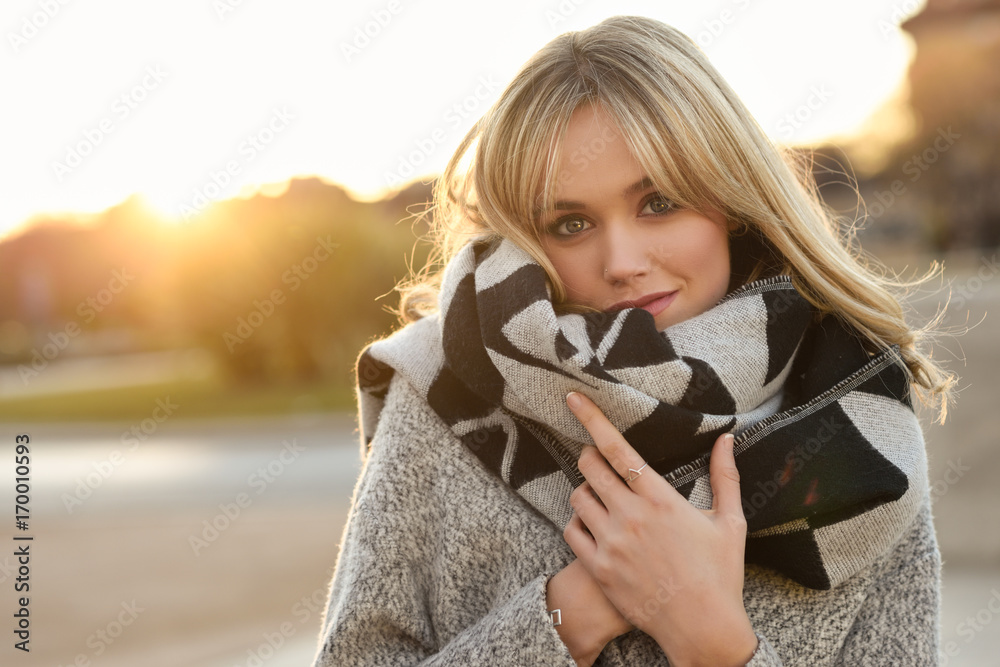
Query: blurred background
[205,206]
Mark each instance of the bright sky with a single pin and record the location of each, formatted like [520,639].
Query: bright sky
[191,101]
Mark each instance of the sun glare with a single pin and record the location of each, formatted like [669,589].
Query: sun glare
[190,122]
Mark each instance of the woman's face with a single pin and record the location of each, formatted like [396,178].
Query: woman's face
[616,243]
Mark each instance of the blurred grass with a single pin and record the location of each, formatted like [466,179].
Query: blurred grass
[194,398]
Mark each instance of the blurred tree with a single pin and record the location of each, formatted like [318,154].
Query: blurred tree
[279,289]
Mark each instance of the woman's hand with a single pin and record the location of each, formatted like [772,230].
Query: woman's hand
[589,620]
[674,571]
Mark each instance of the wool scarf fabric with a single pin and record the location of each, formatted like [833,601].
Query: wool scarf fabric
[830,453]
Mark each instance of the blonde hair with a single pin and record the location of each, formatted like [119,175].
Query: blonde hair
[701,148]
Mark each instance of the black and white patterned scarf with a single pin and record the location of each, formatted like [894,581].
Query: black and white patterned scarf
[830,453]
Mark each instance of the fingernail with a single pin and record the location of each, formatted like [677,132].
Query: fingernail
[573,399]
[729,440]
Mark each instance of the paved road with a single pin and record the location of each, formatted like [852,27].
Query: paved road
[963,453]
[209,538]
[126,549]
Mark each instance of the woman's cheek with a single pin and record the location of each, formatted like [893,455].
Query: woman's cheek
[577,276]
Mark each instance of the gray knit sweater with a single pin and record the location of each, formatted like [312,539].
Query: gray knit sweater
[442,564]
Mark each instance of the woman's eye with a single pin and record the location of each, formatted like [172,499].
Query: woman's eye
[659,205]
[568,226]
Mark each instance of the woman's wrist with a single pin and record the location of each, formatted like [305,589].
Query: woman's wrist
[742,648]
[582,628]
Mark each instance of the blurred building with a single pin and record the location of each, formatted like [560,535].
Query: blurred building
[940,188]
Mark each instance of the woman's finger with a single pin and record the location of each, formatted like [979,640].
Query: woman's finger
[601,477]
[579,539]
[589,509]
[624,460]
[725,478]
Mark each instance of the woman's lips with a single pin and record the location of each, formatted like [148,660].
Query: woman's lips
[657,306]
[654,304]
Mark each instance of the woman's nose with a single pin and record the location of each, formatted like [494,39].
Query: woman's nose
[626,254]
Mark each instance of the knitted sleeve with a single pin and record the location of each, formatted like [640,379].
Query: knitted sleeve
[899,622]
[419,580]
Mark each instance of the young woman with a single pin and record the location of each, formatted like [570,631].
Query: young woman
[634,274]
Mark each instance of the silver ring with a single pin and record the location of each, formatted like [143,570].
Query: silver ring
[637,472]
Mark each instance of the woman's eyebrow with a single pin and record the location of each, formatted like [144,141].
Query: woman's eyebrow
[567,205]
